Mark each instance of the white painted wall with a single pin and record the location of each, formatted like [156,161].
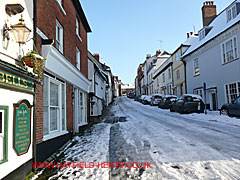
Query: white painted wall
[8,98]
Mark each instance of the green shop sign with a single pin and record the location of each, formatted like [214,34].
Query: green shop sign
[22,127]
[16,82]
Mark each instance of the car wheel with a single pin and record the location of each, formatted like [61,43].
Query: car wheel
[181,110]
[224,112]
[171,109]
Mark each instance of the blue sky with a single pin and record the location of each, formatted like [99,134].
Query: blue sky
[124,31]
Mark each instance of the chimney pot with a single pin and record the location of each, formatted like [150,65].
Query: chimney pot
[96,56]
[188,35]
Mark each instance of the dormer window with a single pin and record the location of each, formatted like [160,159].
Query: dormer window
[203,32]
[232,12]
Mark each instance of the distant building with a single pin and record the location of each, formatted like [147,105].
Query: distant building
[127,88]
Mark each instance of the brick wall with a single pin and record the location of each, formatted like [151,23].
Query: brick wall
[47,13]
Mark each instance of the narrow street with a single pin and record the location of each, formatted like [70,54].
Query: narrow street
[189,146]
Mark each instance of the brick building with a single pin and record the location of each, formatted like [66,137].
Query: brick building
[62,97]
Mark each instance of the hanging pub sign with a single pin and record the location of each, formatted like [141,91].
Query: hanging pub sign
[22,127]
[15,82]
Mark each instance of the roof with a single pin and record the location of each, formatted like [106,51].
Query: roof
[81,14]
[219,25]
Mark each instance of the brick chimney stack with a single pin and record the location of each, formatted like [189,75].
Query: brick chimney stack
[96,57]
[148,56]
[158,52]
[209,12]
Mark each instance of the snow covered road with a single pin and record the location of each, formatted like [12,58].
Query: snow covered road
[179,147]
[182,146]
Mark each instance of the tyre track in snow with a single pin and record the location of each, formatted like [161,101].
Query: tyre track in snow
[200,133]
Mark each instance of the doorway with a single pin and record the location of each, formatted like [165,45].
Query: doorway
[214,103]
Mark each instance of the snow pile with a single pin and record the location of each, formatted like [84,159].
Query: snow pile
[92,147]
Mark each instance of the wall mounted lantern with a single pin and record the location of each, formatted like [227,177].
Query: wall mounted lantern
[20,31]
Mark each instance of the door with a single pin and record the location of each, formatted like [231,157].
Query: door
[1,134]
[80,108]
[214,103]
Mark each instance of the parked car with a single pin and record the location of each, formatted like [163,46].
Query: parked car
[141,98]
[137,98]
[131,95]
[232,109]
[156,98]
[188,103]
[167,101]
[147,100]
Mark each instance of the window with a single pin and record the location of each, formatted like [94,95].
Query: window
[232,91]
[3,133]
[78,59]
[196,67]
[54,106]
[78,29]
[201,34]
[59,36]
[199,92]
[232,13]
[169,73]
[163,76]
[177,56]
[178,74]
[157,82]
[229,50]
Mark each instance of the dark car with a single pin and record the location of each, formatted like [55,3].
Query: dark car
[131,95]
[232,109]
[167,101]
[146,99]
[136,98]
[156,98]
[188,103]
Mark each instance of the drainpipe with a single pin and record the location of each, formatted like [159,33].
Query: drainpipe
[35,98]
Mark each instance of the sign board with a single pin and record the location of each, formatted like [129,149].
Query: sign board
[16,82]
[22,127]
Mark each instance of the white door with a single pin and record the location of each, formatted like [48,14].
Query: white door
[80,109]
[1,134]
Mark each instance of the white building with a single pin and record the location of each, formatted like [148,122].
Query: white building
[163,78]
[16,93]
[98,85]
[214,57]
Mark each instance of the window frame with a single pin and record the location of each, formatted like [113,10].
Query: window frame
[5,110]
[78,59]
[196,67]
[60,35]
[226,53]
[229,96]
[78,29]
[59,131]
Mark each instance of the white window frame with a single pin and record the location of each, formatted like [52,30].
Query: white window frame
[202,34]
[196,67]
[60,131]
[228,95]
[59,36]
[178,74]
[59,2]
[231,12]
[226,58]
[78,29]
[78,59]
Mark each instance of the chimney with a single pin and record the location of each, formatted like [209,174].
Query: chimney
[148,56]
[209,12]
[96,57]
[188,35]
[158,52]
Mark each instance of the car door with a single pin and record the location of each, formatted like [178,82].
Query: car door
[235,107]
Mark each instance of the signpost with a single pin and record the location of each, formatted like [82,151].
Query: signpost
[22,127]
[205,97]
